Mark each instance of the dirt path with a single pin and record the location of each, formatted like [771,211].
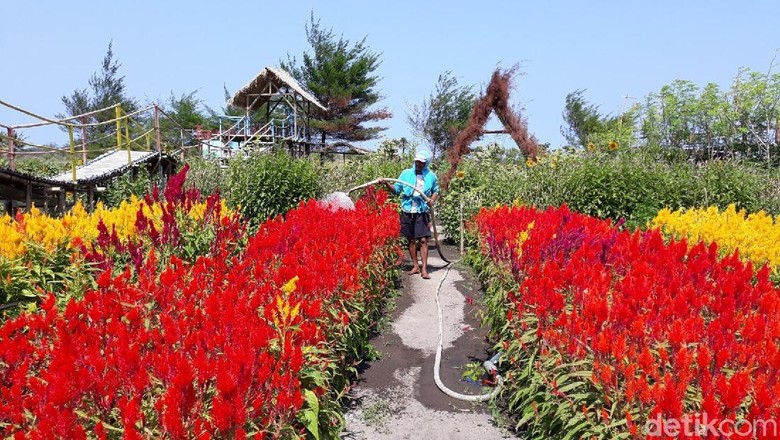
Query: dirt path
[396,397]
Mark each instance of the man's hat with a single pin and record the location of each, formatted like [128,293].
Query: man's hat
[421,157]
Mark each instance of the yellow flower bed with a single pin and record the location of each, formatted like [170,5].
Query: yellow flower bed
[50,232]
[756,236]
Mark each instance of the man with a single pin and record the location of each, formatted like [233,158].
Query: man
[415,212]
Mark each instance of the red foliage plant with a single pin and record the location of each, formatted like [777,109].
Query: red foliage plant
[496,98]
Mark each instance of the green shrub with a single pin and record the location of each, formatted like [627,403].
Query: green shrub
[479,183]
[344,175]
[265,185]
[724,182]
[42,167]
[206,176]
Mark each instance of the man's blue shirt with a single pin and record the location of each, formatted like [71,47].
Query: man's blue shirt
[410,199]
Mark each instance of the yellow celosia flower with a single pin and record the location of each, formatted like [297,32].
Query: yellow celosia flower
[50,232]
[289,286]
[11,239]
[285,312]
[523,237]
[756,236]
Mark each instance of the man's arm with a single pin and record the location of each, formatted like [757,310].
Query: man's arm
[391,186]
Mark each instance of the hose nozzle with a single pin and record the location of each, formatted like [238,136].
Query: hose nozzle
[490,364]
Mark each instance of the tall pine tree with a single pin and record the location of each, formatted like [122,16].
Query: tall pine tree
[342,77]
[106,88]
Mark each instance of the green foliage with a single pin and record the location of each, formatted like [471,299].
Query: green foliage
[342,176]
[479,183]
[720,183]
[261,186]
[587,128]
[443,114]
[621,187]
[473,371]
[185,111]
[342,77]
[24,281]
[394,148]
[581,118]
[124,186]
[634,186]
[42,168]
[707,123]
[206,176]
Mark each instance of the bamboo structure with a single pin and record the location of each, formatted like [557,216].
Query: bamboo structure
[275,90]
[21,190]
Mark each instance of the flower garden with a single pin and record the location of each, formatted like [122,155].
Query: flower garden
[191,329]
[169,317]
[607,330]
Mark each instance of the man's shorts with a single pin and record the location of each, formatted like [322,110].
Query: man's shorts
[415,225]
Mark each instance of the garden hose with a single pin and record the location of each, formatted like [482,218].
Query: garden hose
[489,365]
[427,200]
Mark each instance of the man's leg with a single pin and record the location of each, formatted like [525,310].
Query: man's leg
[413,254]
[424,251]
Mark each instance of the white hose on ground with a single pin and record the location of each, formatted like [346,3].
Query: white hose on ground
[437,362]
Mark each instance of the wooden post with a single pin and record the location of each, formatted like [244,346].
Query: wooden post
[84,140]
[72,152]
[295,120]
[28,197]
[462,238]
[127,142]
[11,154]
[118,114]
[157,128]
[61,201]
[91,199]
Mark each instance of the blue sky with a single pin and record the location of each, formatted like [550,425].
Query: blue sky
[618,51]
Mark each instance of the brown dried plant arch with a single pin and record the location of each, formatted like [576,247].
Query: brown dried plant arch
[496,98]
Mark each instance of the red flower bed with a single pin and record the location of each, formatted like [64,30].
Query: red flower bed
[668,332]
[227,346]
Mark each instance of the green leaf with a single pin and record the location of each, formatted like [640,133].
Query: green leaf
[571,386]
[312,413]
